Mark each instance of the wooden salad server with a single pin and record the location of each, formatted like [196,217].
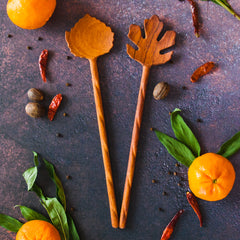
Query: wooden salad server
[148,54]
[91,38]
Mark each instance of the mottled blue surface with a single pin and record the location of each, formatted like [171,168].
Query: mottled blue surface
[214,99]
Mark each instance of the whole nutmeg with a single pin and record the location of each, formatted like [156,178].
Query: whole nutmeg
[161,90]
[35,95]
[34,110]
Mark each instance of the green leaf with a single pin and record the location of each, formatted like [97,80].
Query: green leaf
[30,214]
[231,146]
[30,175]
[177,149]
[73,234]
[11,224]
[57,181]
[58,216]
[183,133]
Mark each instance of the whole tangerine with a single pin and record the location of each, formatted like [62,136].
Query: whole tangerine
[30,14]
[211,177]
[38,229]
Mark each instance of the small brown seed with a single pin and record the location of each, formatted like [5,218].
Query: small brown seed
[175,173]
[65,114]
[68,177]
[40,38]
[164,193]
[34,110]
[29,48]
[35,95]
[177,164]
[68,84]
[154,181]
[161,90]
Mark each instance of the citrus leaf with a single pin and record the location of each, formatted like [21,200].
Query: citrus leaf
[177,149]
[58,216]
[231,146]
[9,223]
[56,180]
[30,214]
[73,234]
[183,133]
[30,175]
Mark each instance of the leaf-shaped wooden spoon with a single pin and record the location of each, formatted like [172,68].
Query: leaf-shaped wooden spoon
[91,38]
[148,54]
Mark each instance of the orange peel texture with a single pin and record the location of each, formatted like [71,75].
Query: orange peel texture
[30,14]
[211,177]
[38,229]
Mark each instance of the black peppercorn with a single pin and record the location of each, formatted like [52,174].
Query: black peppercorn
[59,135]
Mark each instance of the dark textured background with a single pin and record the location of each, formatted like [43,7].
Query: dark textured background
[214,99]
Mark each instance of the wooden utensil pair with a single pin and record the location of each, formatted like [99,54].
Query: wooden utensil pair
[90,38]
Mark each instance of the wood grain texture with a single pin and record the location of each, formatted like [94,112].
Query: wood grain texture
[104,142]
[148,54]
[214,99]
[91,38]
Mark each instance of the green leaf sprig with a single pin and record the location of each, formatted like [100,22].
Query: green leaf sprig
[225,5]
[185,148]
[55,207]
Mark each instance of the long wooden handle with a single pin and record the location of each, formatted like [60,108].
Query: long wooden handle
[133,148]
[104,143]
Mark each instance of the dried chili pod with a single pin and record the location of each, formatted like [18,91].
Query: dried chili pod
[194,204]
[53,107]
[170,227]
[202,70]
[194,11]
[43,63]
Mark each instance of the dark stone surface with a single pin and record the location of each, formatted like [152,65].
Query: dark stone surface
[214,99]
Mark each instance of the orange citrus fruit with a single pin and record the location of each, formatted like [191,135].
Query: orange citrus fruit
[211,177]
[38,229]
[30,14]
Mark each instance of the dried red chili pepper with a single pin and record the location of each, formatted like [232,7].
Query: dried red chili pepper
[202,70]
[194,204]
[54,106]
[170,227]
[194,11]
[43,64]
